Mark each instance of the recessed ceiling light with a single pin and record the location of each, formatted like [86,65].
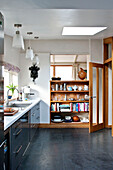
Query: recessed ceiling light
[82,30]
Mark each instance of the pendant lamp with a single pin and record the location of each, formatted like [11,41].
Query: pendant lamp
[37,61]
[18,41]
[29,51]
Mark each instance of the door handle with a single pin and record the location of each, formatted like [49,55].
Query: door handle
[92,97]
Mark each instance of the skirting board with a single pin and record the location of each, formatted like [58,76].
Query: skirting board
[108,126]
[67,125]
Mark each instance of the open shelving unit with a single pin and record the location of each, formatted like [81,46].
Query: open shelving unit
[65,96]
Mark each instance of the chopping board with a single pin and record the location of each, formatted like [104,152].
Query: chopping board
[10,113]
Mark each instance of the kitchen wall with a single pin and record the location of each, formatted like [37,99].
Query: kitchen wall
[44,48]
[41,86]
[11,55]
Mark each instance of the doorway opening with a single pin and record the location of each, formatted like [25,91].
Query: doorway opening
[67,66]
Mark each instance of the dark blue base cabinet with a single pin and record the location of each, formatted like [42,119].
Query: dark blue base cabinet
[21,133]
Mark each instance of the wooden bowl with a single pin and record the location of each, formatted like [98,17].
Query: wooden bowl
[76,119]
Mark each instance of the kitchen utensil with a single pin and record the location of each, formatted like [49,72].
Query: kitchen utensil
[80,88]
[10,113]
[85,87]
[69,88]
[67,117]
[76,119]
[75,87]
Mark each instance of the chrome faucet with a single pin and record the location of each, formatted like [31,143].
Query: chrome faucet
[7,102]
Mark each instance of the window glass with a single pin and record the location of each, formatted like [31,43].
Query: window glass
[9,78]
[65,72]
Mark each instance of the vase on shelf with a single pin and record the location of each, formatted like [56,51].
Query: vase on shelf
[82,74]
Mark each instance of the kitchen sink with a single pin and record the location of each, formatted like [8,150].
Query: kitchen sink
[19,105]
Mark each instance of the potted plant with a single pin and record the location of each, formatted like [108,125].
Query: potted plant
[12,89]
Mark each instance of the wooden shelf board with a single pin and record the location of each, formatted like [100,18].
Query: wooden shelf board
[76,101]
[70,91]
[108,60]
[69,81]
[65,125]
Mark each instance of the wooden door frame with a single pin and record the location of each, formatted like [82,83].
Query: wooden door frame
[97,126]
[106,62]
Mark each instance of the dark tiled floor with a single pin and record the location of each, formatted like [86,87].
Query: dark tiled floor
[69,149]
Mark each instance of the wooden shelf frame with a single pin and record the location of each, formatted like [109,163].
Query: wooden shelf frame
[55,93]
[69,81]
[70,112]
[77,91]
[69,101]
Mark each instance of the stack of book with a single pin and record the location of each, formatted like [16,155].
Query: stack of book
[72,107]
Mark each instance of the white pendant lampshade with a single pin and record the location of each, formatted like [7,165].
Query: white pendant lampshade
[37,59]
[18,41]
[29,53]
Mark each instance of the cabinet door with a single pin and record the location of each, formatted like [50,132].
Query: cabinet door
[25,127]
[37,116]
[16,144]
[19,140]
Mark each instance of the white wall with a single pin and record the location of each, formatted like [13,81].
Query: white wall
[60,46]
[41,87]
[11,55]
[96,51]
[44,48]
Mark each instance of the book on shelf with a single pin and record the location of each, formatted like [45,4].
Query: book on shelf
[72,107]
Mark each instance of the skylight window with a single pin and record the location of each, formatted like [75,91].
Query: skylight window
[82,30]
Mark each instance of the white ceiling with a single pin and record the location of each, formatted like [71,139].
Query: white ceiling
[56,4]
[68,58]
[48,23]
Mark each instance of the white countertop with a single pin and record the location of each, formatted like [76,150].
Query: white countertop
[9,120]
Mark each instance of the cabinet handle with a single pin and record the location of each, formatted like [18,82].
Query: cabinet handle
[2,144]
[16,134]
[17,124]
[33,126]
[38,117]
[33,114]
[18,150]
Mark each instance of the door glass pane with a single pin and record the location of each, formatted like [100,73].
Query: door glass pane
[109,50]
[94,95]
[110,94]
[100,96]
